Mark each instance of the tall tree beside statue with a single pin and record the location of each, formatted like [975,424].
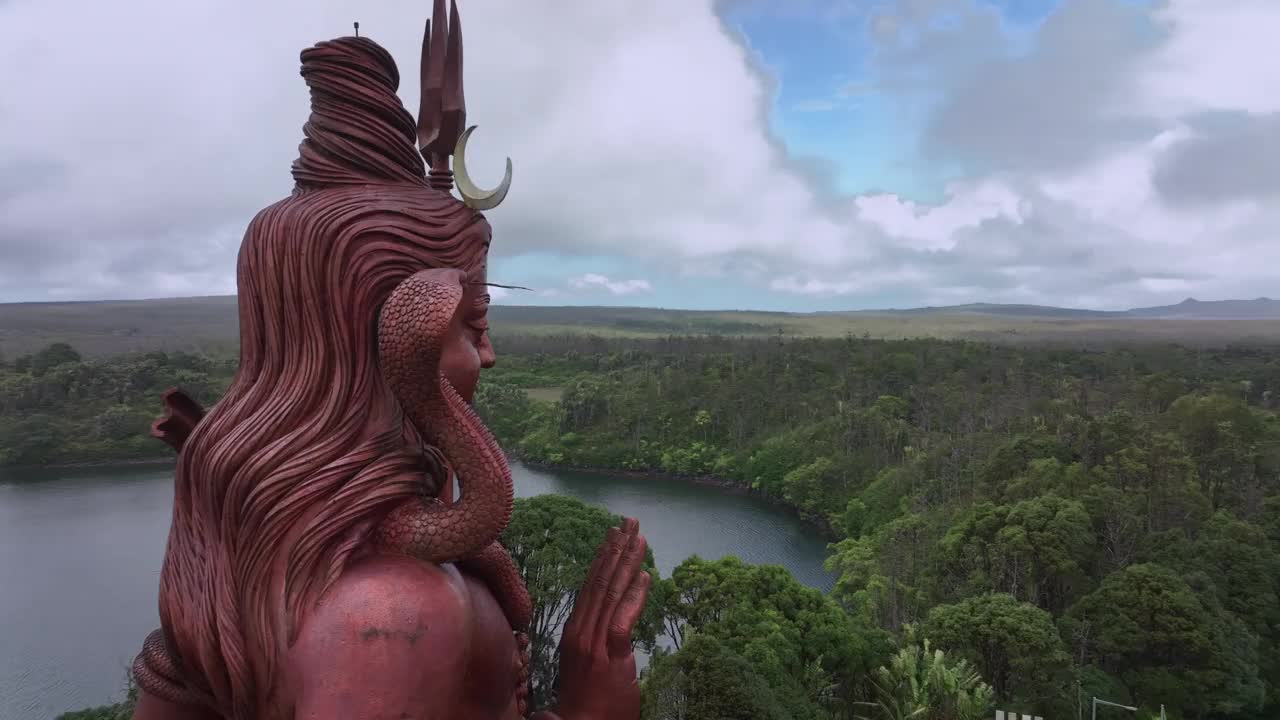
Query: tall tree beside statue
[552,539]
[318,563]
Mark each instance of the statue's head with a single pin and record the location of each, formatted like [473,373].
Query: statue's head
[372,202]
[283,480]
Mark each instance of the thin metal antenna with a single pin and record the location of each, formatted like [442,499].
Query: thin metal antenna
[504,287]
[357,28]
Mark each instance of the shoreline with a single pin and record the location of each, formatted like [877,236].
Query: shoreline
[91,464]
[722,484]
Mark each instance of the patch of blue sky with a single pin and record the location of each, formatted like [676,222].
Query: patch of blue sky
[828,104]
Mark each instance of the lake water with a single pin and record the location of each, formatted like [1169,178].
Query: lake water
[80,555]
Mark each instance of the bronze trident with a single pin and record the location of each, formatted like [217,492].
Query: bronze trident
[442,112]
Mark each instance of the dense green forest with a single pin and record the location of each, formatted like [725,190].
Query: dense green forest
[1062,520]
[1019,527]
[57,407]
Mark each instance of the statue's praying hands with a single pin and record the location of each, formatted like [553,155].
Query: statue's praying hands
[597,664]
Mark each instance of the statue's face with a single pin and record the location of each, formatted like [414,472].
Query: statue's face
[468,349]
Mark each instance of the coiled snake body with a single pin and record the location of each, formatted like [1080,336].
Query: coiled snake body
[416,322]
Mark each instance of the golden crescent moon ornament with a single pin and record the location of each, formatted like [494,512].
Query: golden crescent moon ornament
[471,194]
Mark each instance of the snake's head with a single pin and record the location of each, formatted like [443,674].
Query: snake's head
[436,322]
[448,277]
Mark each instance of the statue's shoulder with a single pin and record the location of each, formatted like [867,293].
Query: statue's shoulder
[385,596]
[390,624]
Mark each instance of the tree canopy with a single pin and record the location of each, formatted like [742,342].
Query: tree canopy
[1063,520]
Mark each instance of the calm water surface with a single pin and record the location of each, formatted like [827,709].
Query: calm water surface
[80,555]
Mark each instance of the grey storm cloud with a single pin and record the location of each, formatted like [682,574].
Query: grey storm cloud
[1049,108]
[19,175]
[1226,159]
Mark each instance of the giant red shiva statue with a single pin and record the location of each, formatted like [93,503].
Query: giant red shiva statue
[318,563]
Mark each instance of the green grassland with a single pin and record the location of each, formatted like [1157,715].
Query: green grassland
[201,324]
[545,394]
[208,324]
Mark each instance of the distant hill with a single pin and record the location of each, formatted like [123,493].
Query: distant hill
[1259,309]
[196,324]
[209,324]
[1189,309]
[1029,311]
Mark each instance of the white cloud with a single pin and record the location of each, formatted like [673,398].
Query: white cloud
[1109,186]
[635,128]
[1219,55]
[810,286]
[1166,285]
[593,281]
[934,227]
[640,130]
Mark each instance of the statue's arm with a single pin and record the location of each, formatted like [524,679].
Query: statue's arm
[390,640]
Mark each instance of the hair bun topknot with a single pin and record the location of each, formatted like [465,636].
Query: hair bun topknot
[359,131]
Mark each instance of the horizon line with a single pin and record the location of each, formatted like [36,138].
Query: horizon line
[916,308]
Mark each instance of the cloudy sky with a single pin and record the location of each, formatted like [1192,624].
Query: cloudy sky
[798,155]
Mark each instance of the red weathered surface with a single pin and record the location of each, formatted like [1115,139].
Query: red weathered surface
[317,565]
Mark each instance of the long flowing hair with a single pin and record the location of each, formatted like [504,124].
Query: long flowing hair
[280,485]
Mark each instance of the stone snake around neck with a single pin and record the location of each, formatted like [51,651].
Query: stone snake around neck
[415,324]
